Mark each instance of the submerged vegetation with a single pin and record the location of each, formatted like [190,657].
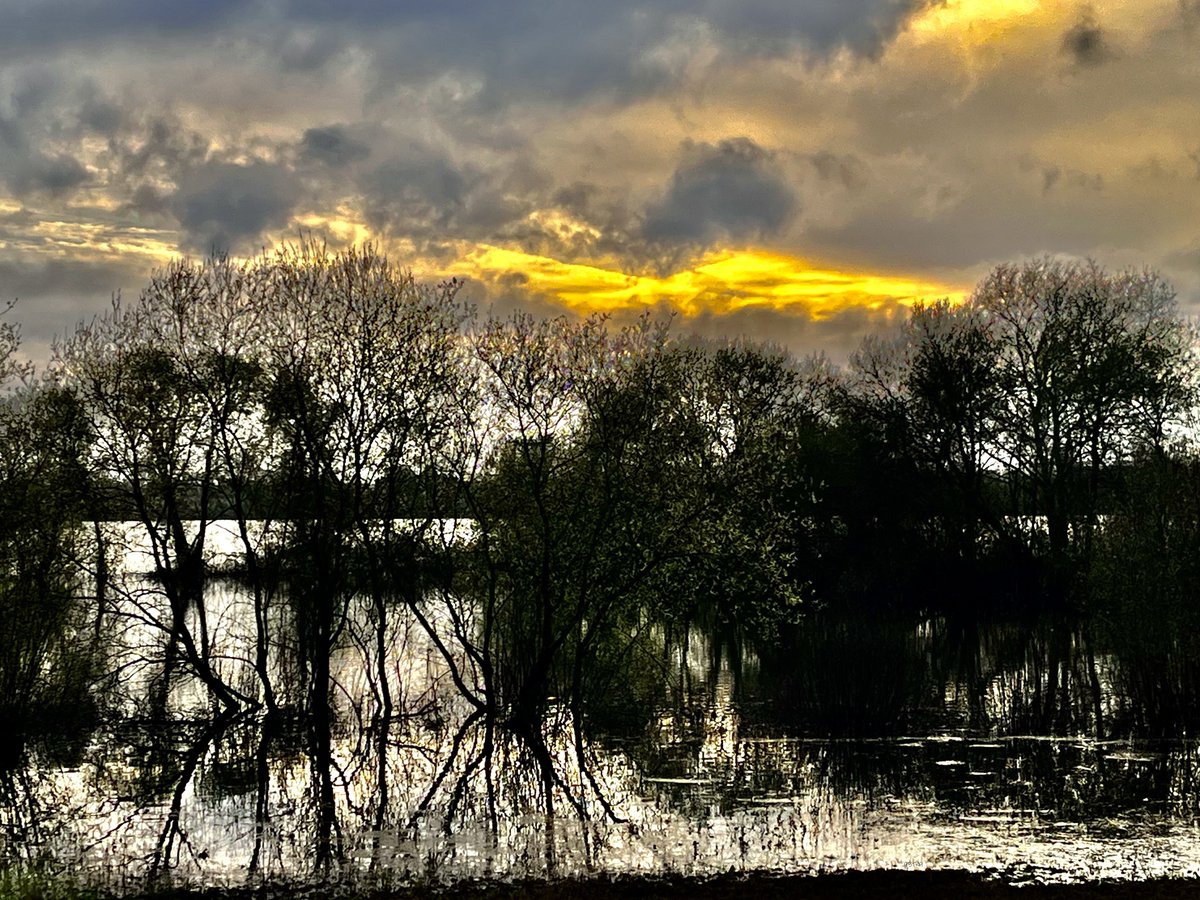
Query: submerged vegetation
[512,526]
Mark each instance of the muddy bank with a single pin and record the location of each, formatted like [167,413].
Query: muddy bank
[864,885]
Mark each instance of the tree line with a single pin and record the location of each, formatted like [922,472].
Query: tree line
[539,496]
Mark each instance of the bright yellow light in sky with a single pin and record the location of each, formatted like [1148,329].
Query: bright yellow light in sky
[719,282]
[343,224]
[966,14]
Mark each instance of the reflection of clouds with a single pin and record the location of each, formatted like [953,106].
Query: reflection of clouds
[728,792]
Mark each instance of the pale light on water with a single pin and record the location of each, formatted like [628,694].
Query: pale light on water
[728,772]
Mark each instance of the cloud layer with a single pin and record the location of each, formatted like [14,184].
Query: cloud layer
[907,141]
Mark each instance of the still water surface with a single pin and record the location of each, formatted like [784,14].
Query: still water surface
[1021,749]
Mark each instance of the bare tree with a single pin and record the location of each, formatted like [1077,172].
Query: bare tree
[1090,366]
[155,444]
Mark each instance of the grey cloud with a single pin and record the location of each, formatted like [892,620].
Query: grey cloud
[48,122]
[734,190]
[33,88]
[100,114]
[333,146]
[147,200]
[501,52]
[31,28]
[1186,258]
[222,205]
[54,293]
[56,175]
[837,335]
[576,48]
[419,189]
[846,169]
[424,193]
[607,211]
[161,143]
[1054,176]
[991,218]
[772,25]
[308,50]
[520,48]
[1152,168]
[26,168]
[1085,42]
[1182,267]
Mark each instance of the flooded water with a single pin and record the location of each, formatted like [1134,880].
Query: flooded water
[1042,751]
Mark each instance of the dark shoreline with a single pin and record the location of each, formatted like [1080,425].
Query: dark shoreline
[883,884]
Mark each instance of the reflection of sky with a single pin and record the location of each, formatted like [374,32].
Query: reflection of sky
[812,829]
[725,786]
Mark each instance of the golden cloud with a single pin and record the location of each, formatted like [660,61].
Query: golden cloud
[718,282]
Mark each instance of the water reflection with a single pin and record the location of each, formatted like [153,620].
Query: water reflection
[1034,748]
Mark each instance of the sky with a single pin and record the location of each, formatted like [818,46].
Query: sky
[798,171]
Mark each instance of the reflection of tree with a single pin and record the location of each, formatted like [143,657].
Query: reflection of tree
[173,838]
[846,676]
[361,367]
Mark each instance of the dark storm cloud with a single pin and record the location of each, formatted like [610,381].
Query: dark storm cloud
[1085,42]
[48,117]
[862,25]
[30,162]
[419,190]
[223,206]
[160,143]
[575,48]
[30,28]
[733,190]
[100,115]
[333,146]
[518,48]
[30,278]
[424,193]
[56,175]
[823,24]
[28,169]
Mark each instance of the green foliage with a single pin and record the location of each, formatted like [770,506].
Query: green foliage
[48,657]
[594,490]
[40,883]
